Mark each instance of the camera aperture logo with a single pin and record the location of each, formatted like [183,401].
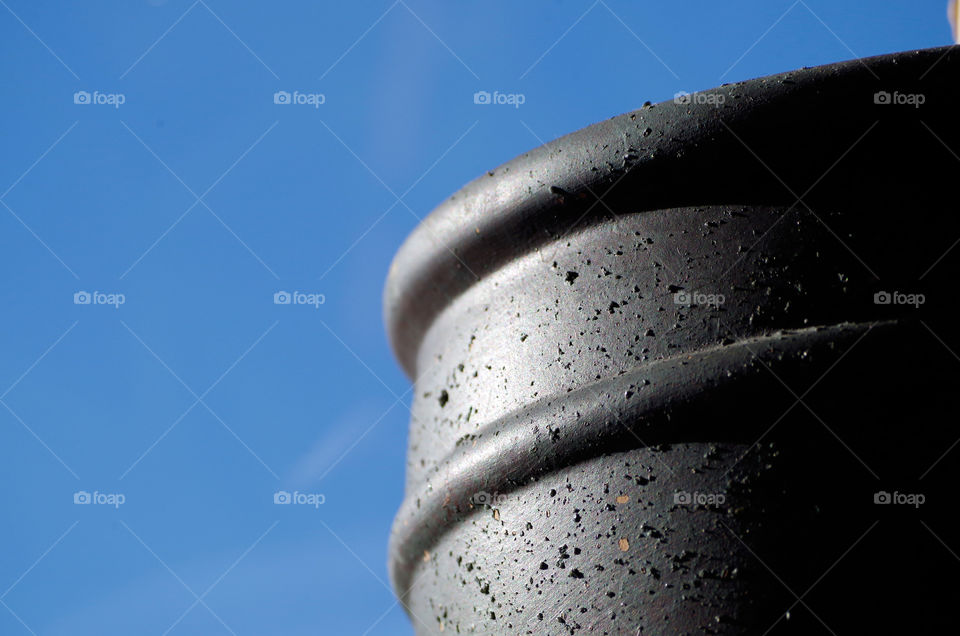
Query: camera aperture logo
[885,498]
[85,98]
[899,298]
[683,98]
[496,98]
[297,98]
[484,498]
[99,298]
[684,498]
[299,298]
[297,498]
[883,98]
[97,498]
[687,299]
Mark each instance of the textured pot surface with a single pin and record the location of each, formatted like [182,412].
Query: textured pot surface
[656,388]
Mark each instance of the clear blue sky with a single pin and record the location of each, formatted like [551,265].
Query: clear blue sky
[198,198]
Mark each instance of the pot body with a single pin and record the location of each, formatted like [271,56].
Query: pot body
[671,369]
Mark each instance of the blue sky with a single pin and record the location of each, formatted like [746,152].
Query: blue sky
[182,388]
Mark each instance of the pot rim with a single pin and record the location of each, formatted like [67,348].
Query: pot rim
[536,197]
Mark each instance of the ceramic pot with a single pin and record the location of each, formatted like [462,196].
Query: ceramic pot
[668,366]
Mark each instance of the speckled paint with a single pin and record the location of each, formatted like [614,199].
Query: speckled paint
[635,410]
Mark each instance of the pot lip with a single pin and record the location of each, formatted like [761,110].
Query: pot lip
[512,209]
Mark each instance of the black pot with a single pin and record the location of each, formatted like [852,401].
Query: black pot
[671,368]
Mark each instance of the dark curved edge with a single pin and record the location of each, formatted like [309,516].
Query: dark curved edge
[598,419]
[771,141]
